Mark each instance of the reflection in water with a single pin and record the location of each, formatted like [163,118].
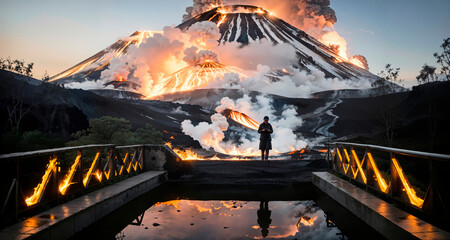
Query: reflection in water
[187,219]
[264,220]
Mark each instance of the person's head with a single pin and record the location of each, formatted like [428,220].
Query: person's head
[266,119]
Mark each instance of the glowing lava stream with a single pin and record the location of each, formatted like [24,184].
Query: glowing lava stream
[356,62]
[192,77]
[243,119]
[39,189]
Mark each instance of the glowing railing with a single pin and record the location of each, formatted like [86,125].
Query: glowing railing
[394,183]
[66,171]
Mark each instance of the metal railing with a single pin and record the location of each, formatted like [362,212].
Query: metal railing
[394,183]
[39,177]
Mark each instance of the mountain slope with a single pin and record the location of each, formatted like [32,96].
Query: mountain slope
[237,23]
[247,24]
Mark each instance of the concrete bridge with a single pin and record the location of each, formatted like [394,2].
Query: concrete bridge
[85,184]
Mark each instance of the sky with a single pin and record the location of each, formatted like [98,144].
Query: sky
[57,34]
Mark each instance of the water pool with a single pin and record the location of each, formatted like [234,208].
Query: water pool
[193,219]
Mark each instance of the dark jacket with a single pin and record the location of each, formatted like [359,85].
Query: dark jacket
[265,136]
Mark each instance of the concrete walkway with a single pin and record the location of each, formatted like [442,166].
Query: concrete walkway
[276,172]
[385,218]
[65,220]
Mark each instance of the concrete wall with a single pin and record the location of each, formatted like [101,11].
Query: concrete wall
[162,158]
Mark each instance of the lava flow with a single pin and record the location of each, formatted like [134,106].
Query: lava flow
[192,77]
[241,118]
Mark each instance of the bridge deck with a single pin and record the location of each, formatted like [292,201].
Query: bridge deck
[256,172]
[385,218]
[63,221]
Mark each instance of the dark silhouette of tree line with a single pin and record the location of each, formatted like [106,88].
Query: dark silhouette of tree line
[428,73]
[18,66]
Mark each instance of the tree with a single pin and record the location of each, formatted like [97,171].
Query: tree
[17,110]
[106,130]
[148,135]
[427,74]
[18,66]
[45,78]
[109,130]
[389,78]
[444,58]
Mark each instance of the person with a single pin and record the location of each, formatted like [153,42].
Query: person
[264,220]
[265,140]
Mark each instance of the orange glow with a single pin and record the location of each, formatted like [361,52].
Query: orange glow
[231,10]
[169,203]
[69,176]
[336,43]
[413,198]
[345,166]
[358,164]
[124,161]
[357,63]
[306,221]
[191,78]
[187,155]
[380,180]
[99,175]
[222,19]
[243,119]
[87,178]
[107,174]
[39,189]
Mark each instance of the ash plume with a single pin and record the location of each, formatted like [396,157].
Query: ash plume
[200,6]
[194,57]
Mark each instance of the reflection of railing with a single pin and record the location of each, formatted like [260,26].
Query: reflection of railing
[395,184]
[100,163]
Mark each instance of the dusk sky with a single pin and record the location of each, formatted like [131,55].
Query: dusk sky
[56,35]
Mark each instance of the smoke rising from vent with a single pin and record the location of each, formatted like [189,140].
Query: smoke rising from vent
[284,123]
[201,6]
[195,57]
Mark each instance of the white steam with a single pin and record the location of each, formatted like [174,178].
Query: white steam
[283,140]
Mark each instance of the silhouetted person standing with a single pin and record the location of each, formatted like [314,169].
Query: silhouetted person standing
[264,220]
[265,141]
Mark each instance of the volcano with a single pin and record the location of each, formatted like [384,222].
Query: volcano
[237,23]
[246,24]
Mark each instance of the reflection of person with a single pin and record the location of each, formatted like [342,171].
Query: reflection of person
[264,220]
[265,141]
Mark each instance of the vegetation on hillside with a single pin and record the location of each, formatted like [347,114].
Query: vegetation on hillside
[118,131]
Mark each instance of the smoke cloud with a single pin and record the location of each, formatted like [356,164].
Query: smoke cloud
[194,57]
[284,124]
[362,60]
[200,6]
